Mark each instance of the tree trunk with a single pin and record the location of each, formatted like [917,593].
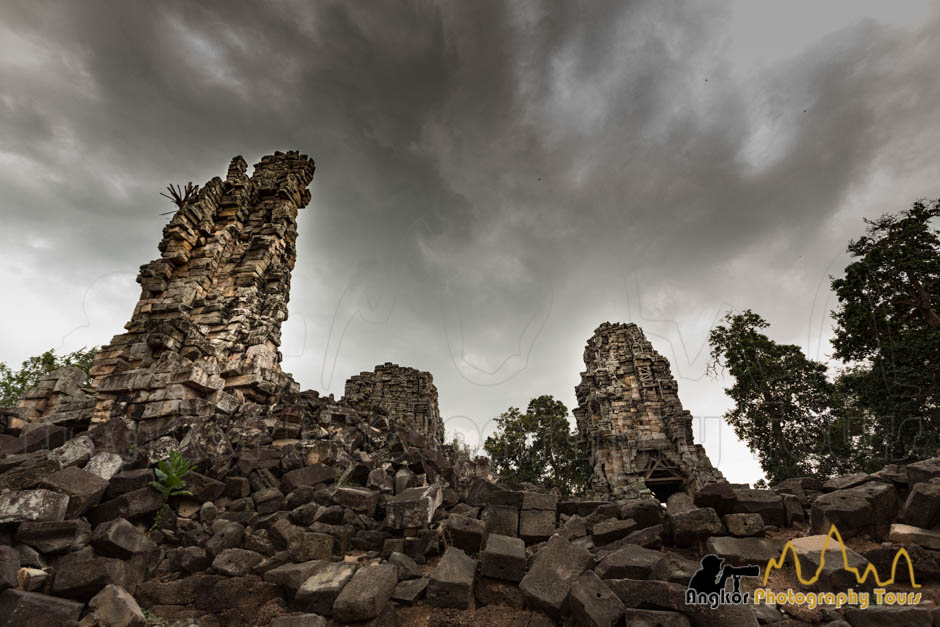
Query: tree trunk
[923,305]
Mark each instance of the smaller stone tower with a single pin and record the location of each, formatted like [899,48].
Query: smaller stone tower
[629,410]
[403,393]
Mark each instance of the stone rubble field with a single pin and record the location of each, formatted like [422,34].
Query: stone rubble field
[368,524]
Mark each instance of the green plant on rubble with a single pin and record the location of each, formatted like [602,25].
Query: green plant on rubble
[170,482]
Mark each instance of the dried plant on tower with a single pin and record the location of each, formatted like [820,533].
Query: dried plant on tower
[180,196]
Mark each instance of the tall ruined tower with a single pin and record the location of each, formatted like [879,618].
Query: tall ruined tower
[206,332]
[629,410]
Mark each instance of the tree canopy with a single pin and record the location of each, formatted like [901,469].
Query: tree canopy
[539,447]
[781,397]
[882,405]
[888,330]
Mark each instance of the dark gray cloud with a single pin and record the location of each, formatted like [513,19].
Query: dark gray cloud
[493,179]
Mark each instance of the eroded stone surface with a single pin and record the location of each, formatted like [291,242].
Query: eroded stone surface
[205,335]
[629,410]
[403,393]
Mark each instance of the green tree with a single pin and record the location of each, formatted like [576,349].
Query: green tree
[538,446]
[781,398]
[888,329]
[15,383]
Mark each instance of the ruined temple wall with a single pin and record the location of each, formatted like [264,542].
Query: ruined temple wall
[205,335]
[403,393]
[198,366]
[629,411]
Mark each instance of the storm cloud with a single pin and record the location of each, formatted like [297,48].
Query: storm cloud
[493,179]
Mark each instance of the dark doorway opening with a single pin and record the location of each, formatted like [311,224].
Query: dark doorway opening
[662,489]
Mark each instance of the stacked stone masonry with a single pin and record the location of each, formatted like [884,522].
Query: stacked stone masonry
[629,410]
[200,358]
[207,328]
[402,393]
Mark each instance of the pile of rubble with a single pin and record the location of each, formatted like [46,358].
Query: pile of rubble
[363,523]
[406,394]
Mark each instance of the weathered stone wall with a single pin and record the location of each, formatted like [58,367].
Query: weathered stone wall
[629,410]
[205,335]
[61,396]
[403,393]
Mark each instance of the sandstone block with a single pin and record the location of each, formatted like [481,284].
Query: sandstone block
[502,519]
[291,576]
[924,470]
[609,530]
[236,562]
[411,590]
[105,465]
[37,505]
[54,536]
[312,475]
[130,505]
[407,567]
[451,581]
[360,500]
[81,579]
[908,535]
[922,507]
[767,503]
[848,510]
[556,566]
[504,558]
[465,533]
[536,525]
[633,562]
[413,508]
[18,607]
[119,538]
[319,591]
[366,594]
[116,606]
[692,526]
[744,525]
[593,604]
[741,551]
[9,567]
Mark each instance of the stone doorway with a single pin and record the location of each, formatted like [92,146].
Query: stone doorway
[662,476]
[662,489]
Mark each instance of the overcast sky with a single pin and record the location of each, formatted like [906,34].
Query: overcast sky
[493,180]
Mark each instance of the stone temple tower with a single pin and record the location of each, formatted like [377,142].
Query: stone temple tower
[406,394]
[629,411]
[199,363]
[206,332]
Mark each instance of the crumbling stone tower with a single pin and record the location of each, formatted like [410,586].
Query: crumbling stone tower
[629,410]
[405,394]
[205,335]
